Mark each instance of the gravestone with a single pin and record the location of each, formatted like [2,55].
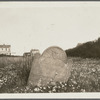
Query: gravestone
[50,67]
[35,71]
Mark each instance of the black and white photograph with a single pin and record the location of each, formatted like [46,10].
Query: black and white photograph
[49,47]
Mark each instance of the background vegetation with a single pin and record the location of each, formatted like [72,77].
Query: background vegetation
[86,50]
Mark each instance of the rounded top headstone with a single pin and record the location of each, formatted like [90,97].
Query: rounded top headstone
[50,67]
[55,52]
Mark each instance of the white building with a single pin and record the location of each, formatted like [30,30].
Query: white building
[34,51]
[31,53]
[5,49]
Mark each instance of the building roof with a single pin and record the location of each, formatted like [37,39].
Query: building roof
[27,54]
[5,46]
[34,50]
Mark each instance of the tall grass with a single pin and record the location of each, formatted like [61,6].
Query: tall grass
[14,72]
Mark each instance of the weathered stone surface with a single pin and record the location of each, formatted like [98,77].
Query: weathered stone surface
[35,72]
[55,53]
[50,67]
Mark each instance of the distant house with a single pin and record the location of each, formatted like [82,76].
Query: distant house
[31,53]
[34,51]
[5,49]
[26,54]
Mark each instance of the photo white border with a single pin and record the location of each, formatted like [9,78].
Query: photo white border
[50,96]
[95,95]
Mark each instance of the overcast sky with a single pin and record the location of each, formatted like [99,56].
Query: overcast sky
[38,25]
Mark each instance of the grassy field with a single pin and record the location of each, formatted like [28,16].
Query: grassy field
[14,72]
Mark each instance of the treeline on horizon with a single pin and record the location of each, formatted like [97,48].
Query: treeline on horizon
[89,49]
[3,55]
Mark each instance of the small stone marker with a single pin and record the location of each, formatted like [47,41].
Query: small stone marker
[50,67]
